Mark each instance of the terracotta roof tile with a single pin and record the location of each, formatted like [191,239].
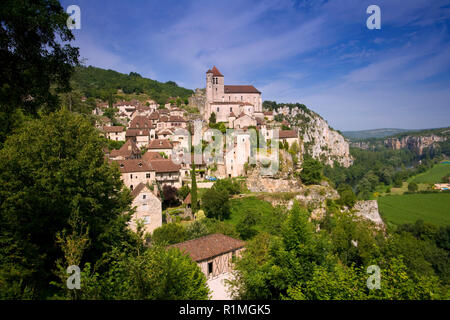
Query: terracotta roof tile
[128,149]
[216,72]
[209,246]
[160,144]
[283,134]
[134,165]
[164,165]
[113,128]
[151,155]
[240,89]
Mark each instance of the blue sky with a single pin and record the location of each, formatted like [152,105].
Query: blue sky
[319,53]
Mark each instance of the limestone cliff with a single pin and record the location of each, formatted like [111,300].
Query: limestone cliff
[318,139]
[413,143]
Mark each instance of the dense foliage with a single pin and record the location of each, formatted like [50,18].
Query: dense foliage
[35,55]
[103,84]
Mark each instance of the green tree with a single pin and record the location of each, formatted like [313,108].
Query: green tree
[413,187]
[311,172]
[216,204]
[52,168]
[347,196]
[247,224]
[212,118]
[194,201]
[183,192]
[157,273]
[169,233]
[36,58]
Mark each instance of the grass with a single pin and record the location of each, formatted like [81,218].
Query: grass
[404,188]
[433,175]
[408,208]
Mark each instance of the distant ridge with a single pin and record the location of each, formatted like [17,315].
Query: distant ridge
[374,133]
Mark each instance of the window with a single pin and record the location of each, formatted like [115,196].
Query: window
[144,196]
[231,109]
[146,219]
[131,176]
[210,268]
[242,98]
[131,187]
[217,109]
[147,176]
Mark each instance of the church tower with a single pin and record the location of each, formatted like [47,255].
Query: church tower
[214,85]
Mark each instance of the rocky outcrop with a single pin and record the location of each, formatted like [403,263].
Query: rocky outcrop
[326,144]
[317,138]
[413,143]
[369,210]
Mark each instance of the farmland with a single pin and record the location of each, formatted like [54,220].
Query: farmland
[408,208]
[433,175]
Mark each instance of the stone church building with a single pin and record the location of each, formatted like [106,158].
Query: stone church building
[231,103]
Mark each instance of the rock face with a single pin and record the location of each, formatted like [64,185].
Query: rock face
[318,139]
[413,143]
[326,144]
[285,191]
[369,210]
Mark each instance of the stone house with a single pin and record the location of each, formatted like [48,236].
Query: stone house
[290,136]
[160,145]
[140,136]
[129,150]
[116,133]
[136,171]
[166,172]
[213,253]
[148,208]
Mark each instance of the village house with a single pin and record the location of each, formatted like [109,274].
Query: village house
[213,253]
[116,133]
[160,145]
[290,136]
[136,171]
[166,172]
[148,209]
[140,136]
[129,150]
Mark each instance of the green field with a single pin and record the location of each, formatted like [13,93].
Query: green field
[434,175]
[407,208]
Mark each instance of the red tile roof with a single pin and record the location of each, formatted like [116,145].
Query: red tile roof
[176,119]
[134,165]
[240,89]
[283,134]
[137,190]
[159,144]
[128,149]
[141,122]
[132,132]
[215,72]
[113,128]
[151,155]
[164,165]
[209,246]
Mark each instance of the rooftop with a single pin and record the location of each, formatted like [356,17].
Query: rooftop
[209,246]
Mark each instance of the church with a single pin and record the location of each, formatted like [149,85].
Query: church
[238,105]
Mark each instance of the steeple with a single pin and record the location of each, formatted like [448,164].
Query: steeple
[215,72]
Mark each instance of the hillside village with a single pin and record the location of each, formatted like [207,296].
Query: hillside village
[117,186]
[155,154]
